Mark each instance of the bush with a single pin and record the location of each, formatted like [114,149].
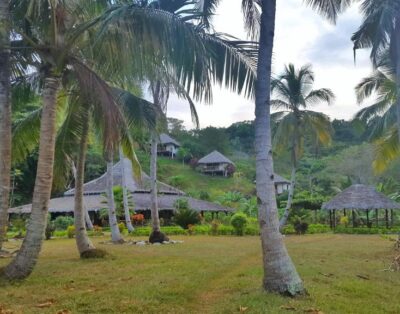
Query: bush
[214,227]
[185,216]
[300,227]
[204,195]
[172,230]
[70,232]
[239,222]
[121,227]
[63,222]
[177,181]
[50,228]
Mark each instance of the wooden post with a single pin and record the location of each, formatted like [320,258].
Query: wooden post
[353,216]
[334,218]
[387,218]
[391,217]
[212,215]
[217,214]
[344,212]
[368,219]
[330,219]
[202,214]
[377,217]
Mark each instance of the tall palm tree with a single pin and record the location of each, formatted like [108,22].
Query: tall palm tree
[380,31]
[54,30]
[294,94]
[5,118]
[280,274]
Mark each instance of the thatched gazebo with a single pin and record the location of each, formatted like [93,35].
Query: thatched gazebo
[361,197]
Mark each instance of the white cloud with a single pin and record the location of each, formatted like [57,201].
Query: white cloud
[302,36]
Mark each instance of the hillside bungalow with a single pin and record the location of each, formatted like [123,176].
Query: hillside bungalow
[94,197]
[167,146]
[216,164]
[281,184]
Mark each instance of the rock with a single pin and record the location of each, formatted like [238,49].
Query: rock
[166,242]
[141,243]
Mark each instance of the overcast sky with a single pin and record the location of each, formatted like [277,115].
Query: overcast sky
[302,37]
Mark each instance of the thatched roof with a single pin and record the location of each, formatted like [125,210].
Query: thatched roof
[214,158]
[280,180]
[141,202]
[361,197]
[166,139]
[99,185]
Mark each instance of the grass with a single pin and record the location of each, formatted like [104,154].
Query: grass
[343,274]
[193,182]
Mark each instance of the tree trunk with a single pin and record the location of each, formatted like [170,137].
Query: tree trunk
[285,216]
[24,262]
[112,214]
[5,120]
[89,224]
[280,274]
[397,65]
[125,193]
[83,242]
[155,219]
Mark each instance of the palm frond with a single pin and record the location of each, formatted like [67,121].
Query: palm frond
[329,8]
[387,149]
[252,17]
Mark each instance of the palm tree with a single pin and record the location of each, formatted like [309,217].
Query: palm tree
[125,192]
[55,32]
[280,274]
[294,94]
[5,118]
[380,31]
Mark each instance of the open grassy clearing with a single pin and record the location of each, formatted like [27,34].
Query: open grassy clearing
[208,275]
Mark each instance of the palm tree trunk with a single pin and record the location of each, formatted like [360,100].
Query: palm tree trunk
[83,242]
[5,120]
[112,214]
[155,219]
[125,193]
[280,275]
[397,65]
[24,262]
[285,216]
[89,224]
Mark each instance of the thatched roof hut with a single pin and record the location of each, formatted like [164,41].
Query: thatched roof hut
[165,139]
[141,201]
[99,185]
[215,158]
[360,197]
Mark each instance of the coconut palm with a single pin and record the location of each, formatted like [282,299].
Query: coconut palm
[280,274]
[380,31]
[54,32]
[5,118]
[294,94]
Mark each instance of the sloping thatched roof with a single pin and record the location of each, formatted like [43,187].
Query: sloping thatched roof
[141,202]
[166,139]
[215,158]
[279,179]
[99,185]
[361,197]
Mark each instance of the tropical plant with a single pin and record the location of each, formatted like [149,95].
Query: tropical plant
[184,215]
[294,94]
[63,222]
[239,223]
[280,274]
[5,118]
[380,31]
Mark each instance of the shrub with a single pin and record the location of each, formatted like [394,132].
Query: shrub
[171,230]
[344,220]
[177,181]
[214,227]
[50,228]
[63,222]
[239,222]
[70,232]
[300,227]
[121,227]
[204,195]
[97,231]
[185,216]
[288,229]
[190,229]
[138,219]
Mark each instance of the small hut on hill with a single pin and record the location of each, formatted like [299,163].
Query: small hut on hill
[216,164]
[168,146]
[363,198]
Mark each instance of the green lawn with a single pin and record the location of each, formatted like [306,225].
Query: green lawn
[208,275]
